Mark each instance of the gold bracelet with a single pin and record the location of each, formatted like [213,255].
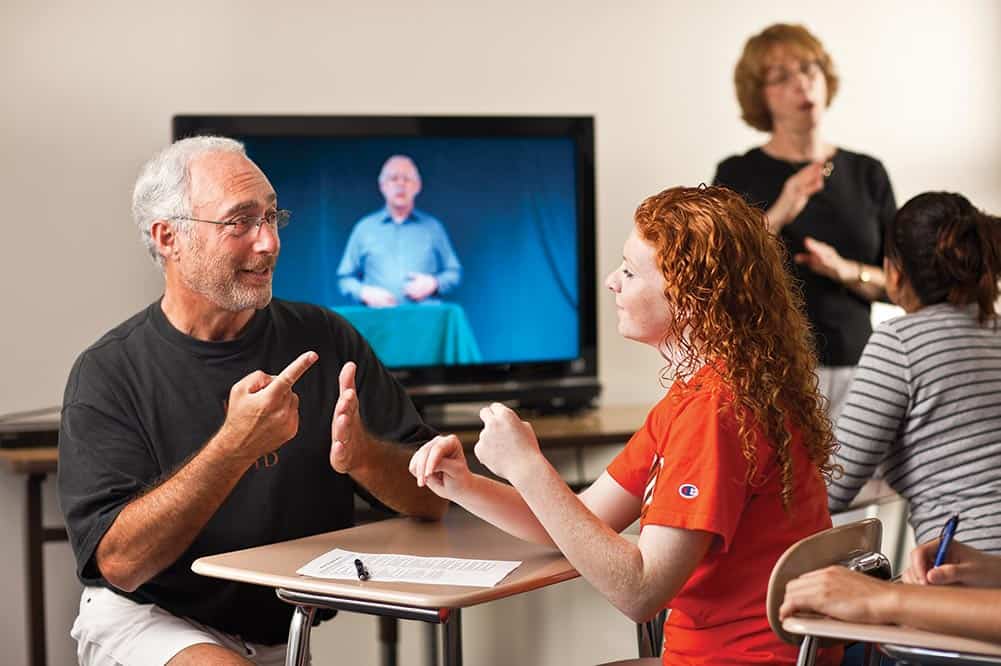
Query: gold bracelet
[864,276]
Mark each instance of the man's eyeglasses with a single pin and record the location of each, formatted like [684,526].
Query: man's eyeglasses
[239,226]
[780,76]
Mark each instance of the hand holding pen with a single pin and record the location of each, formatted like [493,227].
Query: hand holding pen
[948,532]
[931,556]
[960,565]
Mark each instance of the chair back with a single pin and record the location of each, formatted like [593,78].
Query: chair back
[816,552]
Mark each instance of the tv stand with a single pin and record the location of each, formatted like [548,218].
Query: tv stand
[452,418]
[597,426]
[466,416]
[531,409]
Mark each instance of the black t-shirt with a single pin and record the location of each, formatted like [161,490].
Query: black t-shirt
[849,213]
[145,398]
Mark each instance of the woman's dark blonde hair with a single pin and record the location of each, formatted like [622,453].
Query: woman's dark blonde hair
[749,75]
[734,306]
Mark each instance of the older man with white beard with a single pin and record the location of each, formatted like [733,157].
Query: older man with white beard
[203,424]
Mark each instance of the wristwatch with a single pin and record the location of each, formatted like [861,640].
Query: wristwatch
[864,276]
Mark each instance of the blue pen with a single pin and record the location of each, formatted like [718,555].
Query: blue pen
[947,533]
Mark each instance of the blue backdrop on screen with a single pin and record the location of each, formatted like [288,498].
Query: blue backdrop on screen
[508,205]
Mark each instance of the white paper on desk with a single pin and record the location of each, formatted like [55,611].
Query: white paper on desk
[385,568]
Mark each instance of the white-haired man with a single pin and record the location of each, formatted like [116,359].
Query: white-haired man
[202,424]
[398,254]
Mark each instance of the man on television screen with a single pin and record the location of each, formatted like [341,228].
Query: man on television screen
[398,254]
[204,424]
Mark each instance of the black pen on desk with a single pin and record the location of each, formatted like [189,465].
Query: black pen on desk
[948,532]
[362,571]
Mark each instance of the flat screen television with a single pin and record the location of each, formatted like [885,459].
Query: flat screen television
[504,221]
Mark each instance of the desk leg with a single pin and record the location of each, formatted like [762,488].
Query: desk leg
[297,652]
[33,560]
[650,635]
[388,636]
[431,636]
[807,651]
[452,638]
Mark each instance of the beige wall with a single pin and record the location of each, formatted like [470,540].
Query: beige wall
[89,88]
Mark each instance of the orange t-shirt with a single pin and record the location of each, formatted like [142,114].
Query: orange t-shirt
[687,465]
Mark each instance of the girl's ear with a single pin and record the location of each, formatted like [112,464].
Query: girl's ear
[898,288]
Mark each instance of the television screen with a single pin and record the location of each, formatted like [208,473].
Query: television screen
[461,248]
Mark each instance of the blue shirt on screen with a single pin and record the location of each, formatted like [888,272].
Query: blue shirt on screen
[383,253]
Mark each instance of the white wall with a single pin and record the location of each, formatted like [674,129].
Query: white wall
[89,89]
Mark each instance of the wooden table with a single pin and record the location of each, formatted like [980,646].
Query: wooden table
[898,642]
[36,464]
[598,427]
[458,535]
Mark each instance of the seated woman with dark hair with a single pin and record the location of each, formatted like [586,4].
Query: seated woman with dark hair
[925,402]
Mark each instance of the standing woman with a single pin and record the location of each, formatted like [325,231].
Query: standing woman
[828,205]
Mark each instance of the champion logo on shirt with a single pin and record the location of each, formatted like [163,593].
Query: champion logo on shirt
[688,490]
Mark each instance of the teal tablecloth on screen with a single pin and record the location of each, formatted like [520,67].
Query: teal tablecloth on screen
[416,334]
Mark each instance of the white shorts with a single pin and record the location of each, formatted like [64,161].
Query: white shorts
[114,631]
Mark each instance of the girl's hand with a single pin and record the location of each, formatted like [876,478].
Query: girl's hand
[507,445]
[441,466]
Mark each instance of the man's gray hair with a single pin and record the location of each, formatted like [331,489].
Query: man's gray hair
[163,188]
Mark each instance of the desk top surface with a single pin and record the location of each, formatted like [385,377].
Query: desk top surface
[41,460]
[614,424]
[458,535]
[604,425]
[885,634]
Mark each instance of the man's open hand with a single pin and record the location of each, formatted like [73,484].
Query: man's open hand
[349,439]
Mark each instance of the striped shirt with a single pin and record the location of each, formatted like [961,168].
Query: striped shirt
[925,407]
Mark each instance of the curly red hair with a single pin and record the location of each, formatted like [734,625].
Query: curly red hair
[734,305]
